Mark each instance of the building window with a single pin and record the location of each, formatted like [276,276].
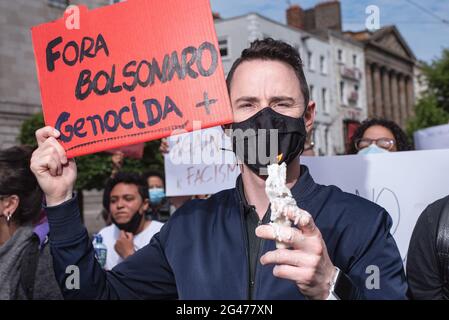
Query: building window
[327,141]
[224,47]
[354,60]
[58,3]
[340,55]
[310,60]
[342,92]
[322,64]
[312,92]
[324,100]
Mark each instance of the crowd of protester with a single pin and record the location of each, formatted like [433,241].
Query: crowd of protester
[135,208]
[154,246]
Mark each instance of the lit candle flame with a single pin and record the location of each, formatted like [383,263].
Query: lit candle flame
[279,157]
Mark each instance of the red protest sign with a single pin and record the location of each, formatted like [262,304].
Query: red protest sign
[133,71]
[134,151]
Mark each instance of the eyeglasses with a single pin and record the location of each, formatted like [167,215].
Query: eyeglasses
[384,143]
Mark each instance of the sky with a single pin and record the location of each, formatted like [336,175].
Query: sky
[423,28]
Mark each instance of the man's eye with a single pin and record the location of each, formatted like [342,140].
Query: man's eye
[129,198]
[282,105]
[246,105]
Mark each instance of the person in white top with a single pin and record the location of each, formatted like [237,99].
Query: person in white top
[127,195]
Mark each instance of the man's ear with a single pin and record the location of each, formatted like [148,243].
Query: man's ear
[309,116]
[145,205]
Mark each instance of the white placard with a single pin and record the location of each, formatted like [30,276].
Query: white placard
[436,137]
[200,162]
[404,183]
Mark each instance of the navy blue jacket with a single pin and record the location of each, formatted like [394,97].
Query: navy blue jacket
[201,252]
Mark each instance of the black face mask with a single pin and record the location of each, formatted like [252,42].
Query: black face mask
[132,225]
[257,148]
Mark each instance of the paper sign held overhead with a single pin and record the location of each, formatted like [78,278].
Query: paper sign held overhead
[132,72]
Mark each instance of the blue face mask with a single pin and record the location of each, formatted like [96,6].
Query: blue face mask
[156,195]
[373,148]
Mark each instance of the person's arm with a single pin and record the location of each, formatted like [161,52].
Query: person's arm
[377,269]
[143,276]
[423,275]
[117,160]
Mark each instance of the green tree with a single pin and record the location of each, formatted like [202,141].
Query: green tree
[427,114]
[437,74]
[94,169]
[433,108]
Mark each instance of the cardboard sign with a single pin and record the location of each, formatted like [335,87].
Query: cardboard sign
[200,162]
[134,151]
[132,72]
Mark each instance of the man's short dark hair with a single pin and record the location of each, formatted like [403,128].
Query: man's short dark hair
[270,49]
[127,178]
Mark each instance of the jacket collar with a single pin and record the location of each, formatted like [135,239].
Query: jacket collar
[301,190]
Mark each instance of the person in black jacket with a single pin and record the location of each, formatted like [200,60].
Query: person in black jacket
[26,271]
[428,254]
[223,247]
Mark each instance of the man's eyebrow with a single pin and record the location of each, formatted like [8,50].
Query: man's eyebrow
[247,99]
[282,98]
[272,99]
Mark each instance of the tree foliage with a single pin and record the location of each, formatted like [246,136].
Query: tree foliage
[433,107]
[94,169]
[437,74]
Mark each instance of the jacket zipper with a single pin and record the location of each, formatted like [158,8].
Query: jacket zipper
[259,251]
[245,237]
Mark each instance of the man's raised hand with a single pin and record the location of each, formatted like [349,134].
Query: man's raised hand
[55,173]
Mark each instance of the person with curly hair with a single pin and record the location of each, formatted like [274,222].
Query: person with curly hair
[377,136]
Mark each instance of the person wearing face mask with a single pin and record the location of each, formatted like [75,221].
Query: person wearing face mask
[222,247]
[159,208]
[378,136]
[127,200]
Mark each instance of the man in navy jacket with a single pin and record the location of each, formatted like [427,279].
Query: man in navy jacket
[222,247]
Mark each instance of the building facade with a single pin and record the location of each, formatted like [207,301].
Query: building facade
[19,87]
[347,66]
[348,61]
[383,74]
[235,34]
[389,68]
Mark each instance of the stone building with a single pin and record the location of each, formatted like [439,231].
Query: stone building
[347,61]
[236,33]
[389,62]
[389,68]
[19,88]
